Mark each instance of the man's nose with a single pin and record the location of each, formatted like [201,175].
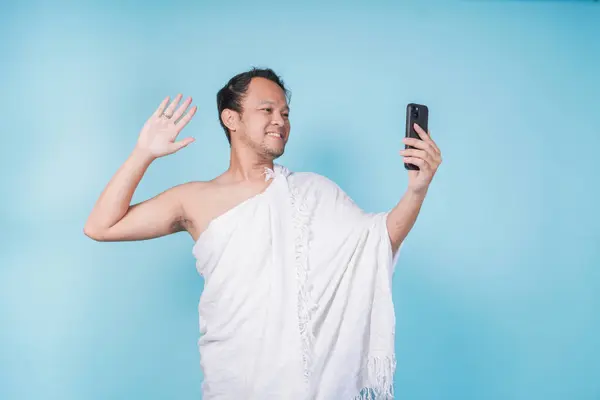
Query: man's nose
[277,119]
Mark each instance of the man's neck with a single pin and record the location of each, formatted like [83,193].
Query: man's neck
[246,165]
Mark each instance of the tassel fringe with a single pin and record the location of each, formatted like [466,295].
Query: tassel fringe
[306,306]
[379,379]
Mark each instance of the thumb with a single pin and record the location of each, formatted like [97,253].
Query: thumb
[182,143]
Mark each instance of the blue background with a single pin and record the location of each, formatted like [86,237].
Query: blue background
[496,291]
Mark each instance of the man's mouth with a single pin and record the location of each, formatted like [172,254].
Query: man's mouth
[275,135]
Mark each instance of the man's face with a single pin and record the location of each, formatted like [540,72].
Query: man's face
[264,123]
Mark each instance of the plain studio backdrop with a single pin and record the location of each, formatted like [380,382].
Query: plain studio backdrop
[497,289]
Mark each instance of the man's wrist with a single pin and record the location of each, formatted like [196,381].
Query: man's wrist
[416,194]
[141,155]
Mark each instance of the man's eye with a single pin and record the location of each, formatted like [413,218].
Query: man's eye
[267,109]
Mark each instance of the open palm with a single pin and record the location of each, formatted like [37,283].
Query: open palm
[160,131]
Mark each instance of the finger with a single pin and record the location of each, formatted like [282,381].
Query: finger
[434,145]
[420,131]
[436,148]
[182,109]
[176,146]
[424,146]
[426,137]
[418,143]
[430,158]
[419,162]
[186,118]
[414,153]
[171,109]
[161,107]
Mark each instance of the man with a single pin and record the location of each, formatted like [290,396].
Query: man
[297,298]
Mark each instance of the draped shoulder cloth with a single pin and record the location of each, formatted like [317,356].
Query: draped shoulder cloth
[297,300]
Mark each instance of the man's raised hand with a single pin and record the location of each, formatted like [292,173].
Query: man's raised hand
[157,137]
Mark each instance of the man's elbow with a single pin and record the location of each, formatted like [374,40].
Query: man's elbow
[94,233]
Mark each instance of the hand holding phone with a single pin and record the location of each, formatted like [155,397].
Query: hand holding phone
[415,114]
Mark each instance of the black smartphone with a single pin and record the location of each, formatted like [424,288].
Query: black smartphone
[415,114]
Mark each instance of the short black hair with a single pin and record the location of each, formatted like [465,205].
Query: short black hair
[232,94]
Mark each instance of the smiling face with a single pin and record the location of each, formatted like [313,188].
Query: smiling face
[264,123]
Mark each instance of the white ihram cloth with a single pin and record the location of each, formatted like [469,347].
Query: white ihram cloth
[297,300]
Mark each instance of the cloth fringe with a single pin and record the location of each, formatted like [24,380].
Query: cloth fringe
[379,379]
[306,307]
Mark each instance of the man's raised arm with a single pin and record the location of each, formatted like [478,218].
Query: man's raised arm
[113,218]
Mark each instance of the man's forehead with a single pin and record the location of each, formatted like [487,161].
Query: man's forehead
[269,99]
[265,90]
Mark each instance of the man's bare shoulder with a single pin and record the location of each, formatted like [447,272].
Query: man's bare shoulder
[202,201]
[201,188]
[196,193]
[191,187]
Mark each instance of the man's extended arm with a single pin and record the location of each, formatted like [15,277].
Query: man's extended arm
[403,216]
[428,157]
[113,218]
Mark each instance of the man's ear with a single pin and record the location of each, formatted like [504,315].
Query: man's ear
[231,119]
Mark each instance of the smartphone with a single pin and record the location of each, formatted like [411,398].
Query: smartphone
[415,114]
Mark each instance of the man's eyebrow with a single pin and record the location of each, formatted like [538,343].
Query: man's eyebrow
[269,102]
